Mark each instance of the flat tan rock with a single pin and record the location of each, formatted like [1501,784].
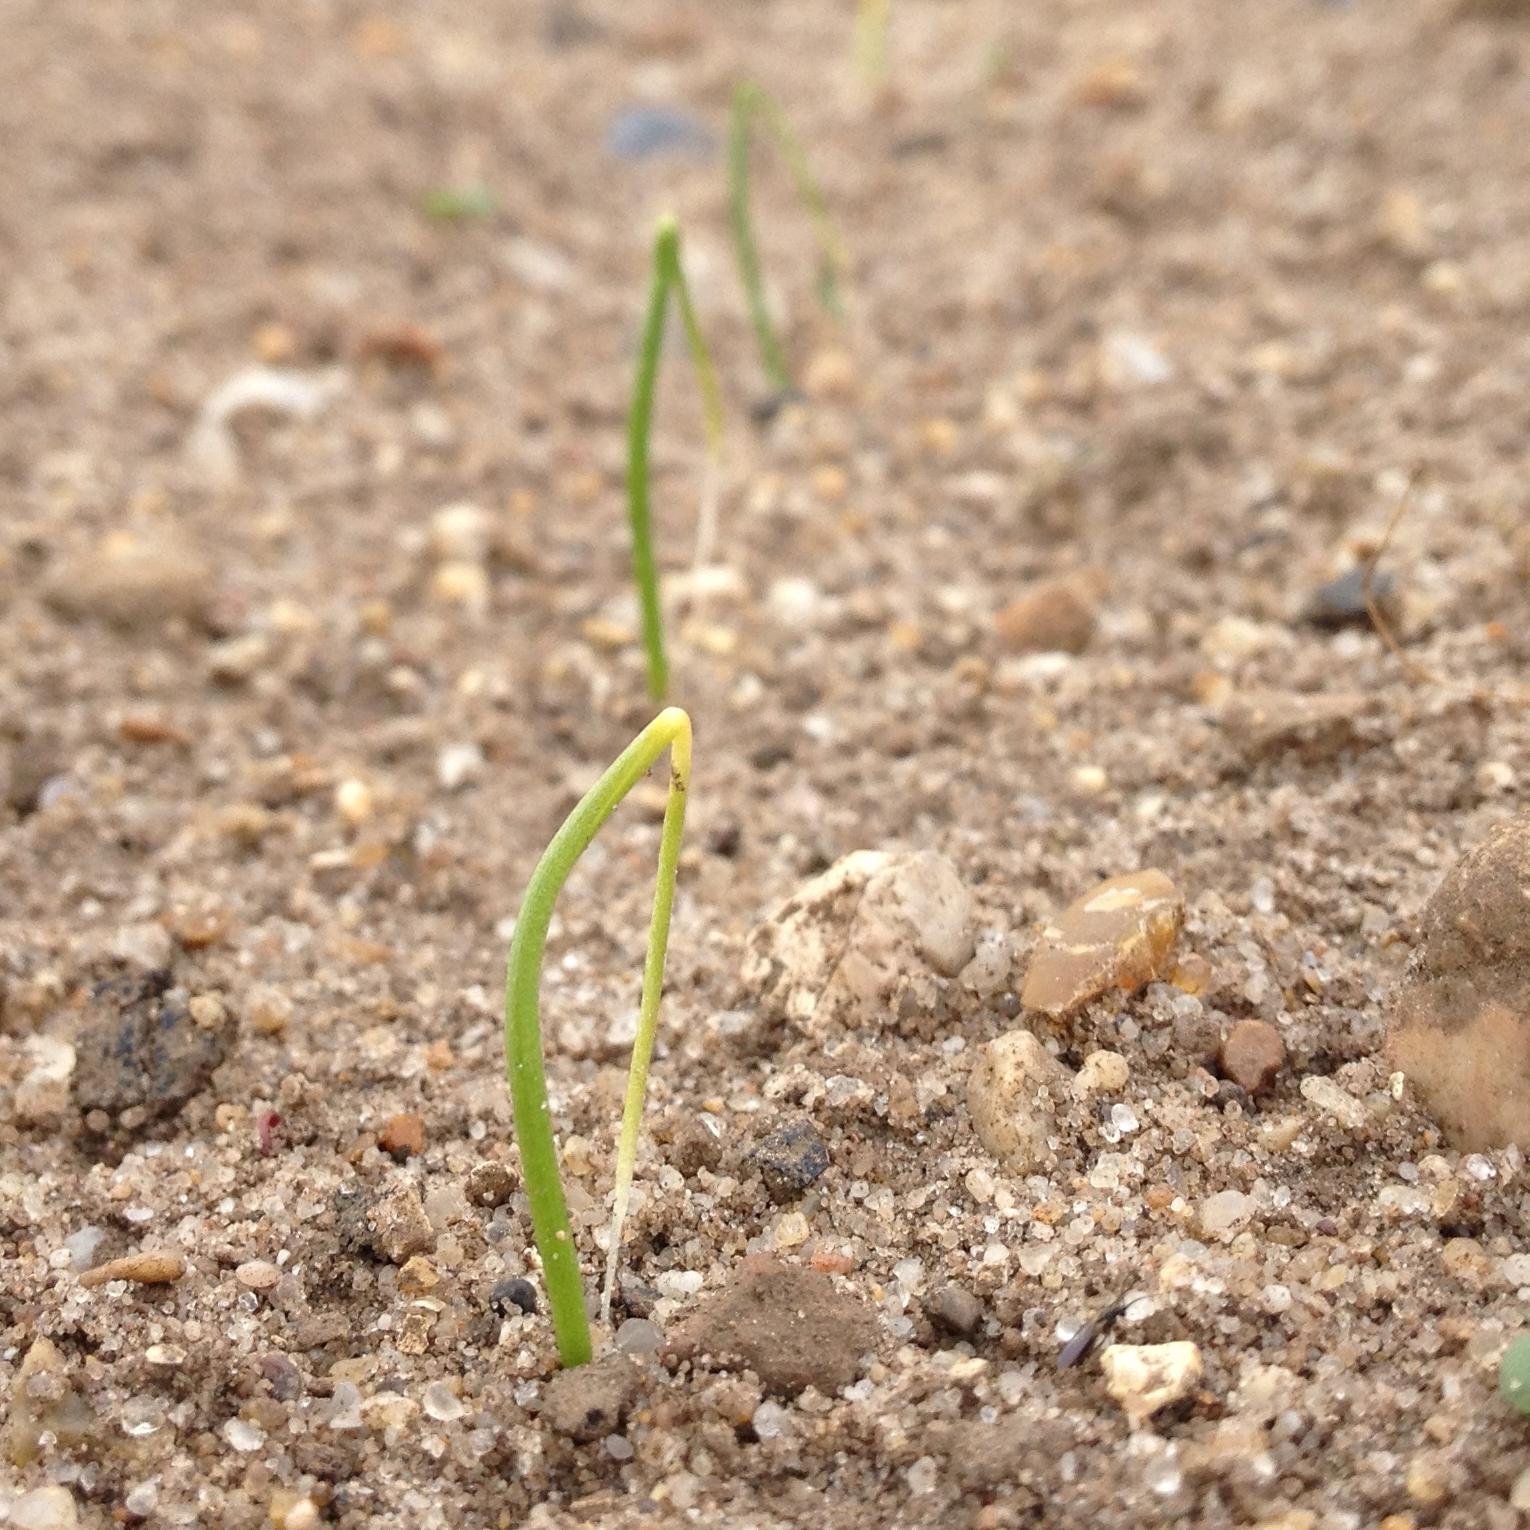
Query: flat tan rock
[1120,935]
[1460,1026]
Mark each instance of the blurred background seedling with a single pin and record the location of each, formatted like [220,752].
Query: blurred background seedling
[460,204]
[668,278]
[872,22]
[751,103]
[670,730]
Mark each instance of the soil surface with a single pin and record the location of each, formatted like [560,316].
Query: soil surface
[1167,299]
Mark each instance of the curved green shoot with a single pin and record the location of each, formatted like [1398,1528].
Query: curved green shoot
[750,102]
[670,730]
[668,276]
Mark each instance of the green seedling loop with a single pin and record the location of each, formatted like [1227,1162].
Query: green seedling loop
[670,730]
[668,276]
[751,102]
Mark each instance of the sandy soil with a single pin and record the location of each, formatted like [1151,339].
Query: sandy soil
[1175,293]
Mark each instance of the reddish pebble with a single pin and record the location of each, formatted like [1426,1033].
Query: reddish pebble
[403,1135]
[1252,1054]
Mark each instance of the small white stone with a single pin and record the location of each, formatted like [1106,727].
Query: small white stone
[353,800]
[1010,1094]
[1333,1101]
[243,1435]
[458,765]
[1225,1212]
[44,1508]
[461,533]
[145,945]
[1102,1073]
[1146,1377]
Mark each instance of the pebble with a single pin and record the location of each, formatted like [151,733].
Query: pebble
[789,1160]
[139,1047]
[513,1292]
[647,132]
[258,1275]
[1334,1101]
[402,1135]
[1011,1093]
[1144,1378]
[133,581]
[590,1401]
[1102,1073]
[1341,602]
[955,1309]
[1119,935]
[461,533]
[1460,1024]
[44,1508]
[1265,725]
[1252,1054]
[788,1324]
[876,927]
[1056,616]
[137,1269]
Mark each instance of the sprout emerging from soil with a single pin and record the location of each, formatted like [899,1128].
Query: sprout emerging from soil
[668,276]
[670,730]
[749,102]
[1514,1374]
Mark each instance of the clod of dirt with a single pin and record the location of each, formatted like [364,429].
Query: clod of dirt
[489,1184]
[1146,1377]
[1252,1054]
[1264,725]
[1056,616]
[874,927]
[392,1225]
[42,1096]
[35,759]
[133,581]
[789,1160]
[1460,1028]
[1120,935]
[1011,1094]
[591,1400]
[791,1326]
[140,1048]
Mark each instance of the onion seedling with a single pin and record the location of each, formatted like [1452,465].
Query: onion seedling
[668,276]
[670,730]
[749,102]
[872,19]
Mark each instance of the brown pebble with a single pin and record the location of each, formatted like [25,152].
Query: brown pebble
[1119,935]
[1054,617]
[1252,1054]
[403,1135]
[140,1269]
